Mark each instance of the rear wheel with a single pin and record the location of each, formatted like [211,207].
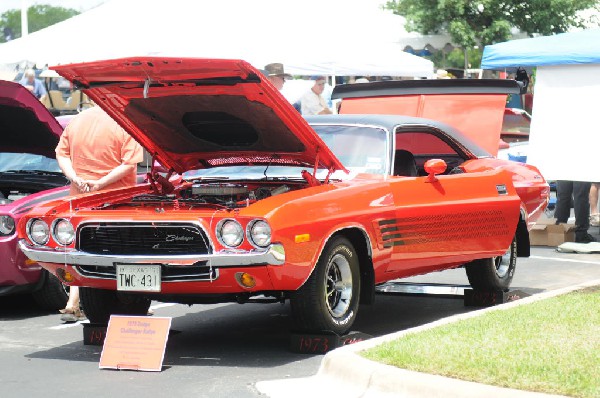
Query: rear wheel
[53,295]
[328,300]
[493,273]
[100,304]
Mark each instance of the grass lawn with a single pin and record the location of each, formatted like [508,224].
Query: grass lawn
[550,346]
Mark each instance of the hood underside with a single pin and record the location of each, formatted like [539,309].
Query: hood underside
[201,113]
[26,125]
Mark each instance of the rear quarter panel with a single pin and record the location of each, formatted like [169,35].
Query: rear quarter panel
[529,183]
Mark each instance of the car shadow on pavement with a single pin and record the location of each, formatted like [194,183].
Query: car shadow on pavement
[259,335]
[20,306]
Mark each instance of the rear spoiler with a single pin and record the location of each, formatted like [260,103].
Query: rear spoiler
[426,86]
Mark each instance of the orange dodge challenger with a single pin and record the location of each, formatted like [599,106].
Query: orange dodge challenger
[249,201]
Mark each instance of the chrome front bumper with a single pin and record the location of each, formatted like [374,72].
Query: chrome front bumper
[271,255]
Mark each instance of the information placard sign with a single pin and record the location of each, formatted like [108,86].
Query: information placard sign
[135,343]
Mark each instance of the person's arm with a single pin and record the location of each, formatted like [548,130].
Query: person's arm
[115,175]
[41,89]
[66,166]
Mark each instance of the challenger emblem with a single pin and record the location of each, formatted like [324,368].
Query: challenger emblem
[174,238]
[177,238]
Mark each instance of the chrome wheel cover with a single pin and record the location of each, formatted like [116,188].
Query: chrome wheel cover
[503,263]
[338,289]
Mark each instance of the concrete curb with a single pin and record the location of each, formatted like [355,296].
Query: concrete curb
[343,372]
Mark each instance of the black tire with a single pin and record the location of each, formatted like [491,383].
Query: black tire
[53,295]
[99,304]
[493,273]
[328,300]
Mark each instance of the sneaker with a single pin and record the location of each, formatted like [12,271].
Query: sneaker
[584,238]
[595,220]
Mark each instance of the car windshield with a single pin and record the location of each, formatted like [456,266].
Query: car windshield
[27,162]
[361,149]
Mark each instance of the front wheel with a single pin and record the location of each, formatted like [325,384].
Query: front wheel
[328,300]
[100,304]
[493,273]
[52,295]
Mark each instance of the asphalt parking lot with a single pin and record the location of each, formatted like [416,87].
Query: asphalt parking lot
[223,350]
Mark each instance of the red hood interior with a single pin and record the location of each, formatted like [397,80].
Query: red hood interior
[200,113]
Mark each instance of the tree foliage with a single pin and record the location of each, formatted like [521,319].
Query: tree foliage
[39,16]
[483,22]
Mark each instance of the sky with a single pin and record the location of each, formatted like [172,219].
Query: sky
[79,5]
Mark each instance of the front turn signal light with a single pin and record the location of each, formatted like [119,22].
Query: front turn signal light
[64,275]
[245,280]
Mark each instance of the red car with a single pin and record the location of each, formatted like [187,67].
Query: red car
[515,125]
[29,175]
[453,101]
[271,207]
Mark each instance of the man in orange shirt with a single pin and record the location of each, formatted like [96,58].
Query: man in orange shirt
[95,153]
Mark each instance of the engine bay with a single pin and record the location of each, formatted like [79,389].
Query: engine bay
[226,195]
[11,195]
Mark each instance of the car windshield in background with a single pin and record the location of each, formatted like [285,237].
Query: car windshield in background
[27,162]
[361,149]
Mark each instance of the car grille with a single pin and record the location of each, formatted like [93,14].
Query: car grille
[142,239]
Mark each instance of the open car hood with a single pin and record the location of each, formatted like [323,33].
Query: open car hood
[201,113]
[473,106]
[26,125]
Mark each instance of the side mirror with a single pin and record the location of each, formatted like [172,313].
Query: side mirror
[433,167]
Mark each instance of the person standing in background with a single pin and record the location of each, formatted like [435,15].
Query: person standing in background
[276,75]
[33,84]
[594,215]
[95,153]
[577,192]
[313,103]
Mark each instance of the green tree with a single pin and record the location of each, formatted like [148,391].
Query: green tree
[39,16]
[478,23]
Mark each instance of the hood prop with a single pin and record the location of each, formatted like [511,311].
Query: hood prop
[311,179]
[160,185]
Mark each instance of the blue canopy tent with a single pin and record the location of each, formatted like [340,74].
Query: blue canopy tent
[565,133]
[566,48]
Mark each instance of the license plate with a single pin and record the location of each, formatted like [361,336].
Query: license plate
[138,278]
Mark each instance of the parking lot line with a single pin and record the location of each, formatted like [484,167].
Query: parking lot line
[566,260]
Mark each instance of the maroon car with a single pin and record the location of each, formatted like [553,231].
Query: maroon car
[29,175]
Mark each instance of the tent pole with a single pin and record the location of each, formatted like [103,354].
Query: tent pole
[24,20]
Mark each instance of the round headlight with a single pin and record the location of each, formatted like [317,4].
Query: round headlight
[7,225]
[63,232]
[260,233]
[38,231]
[230,233]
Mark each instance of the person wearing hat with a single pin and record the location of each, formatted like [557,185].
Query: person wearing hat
[313,103]
[276,74]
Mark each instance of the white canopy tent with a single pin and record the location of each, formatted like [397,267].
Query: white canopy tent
[332,37]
